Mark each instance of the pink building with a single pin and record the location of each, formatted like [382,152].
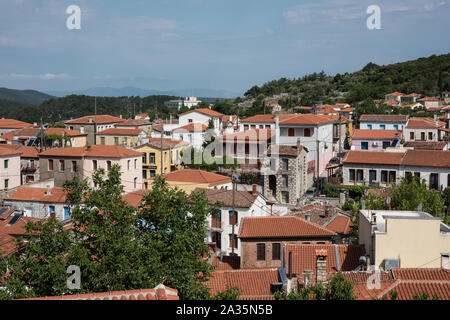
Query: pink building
[9,169]
[374,140]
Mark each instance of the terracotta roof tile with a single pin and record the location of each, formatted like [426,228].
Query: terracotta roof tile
[426,145]
[133,122]
[375,134]
[134,198]
[192,127]
[383,118]
[242,199]
[281,227]
[67,132]
[196,176]
[340,224]
[167,143]
[92,151]
[57,195]
[99,119]
[373,157]
[205,111]
[253,283]
[119,132]
[13,124]
[418,122]
[8,233]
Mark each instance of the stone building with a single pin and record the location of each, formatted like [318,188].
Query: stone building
[285,173]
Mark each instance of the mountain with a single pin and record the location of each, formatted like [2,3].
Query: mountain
[138,92]
[427,76]
[25,96]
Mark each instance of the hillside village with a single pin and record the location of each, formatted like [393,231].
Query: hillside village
[310,191]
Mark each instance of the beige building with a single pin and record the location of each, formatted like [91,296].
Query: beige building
[74,138]
[404,239]
[122,137]
[9,169]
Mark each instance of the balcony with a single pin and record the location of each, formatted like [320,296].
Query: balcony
[29,169]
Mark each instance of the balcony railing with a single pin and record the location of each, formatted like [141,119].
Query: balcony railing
[30,168]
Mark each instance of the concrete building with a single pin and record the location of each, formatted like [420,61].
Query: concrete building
[62,164]
[404,239]
[92,124]
[262,238]
[187,102]
[374,140]
[128,138]
[430,102]
[285,171]
[72,138]
[425,129]
[383,122]
[39,203]
[386,168]
[7,125]
[9,169]
[220,227]
[152,151]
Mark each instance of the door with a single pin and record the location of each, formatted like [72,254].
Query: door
[66,213]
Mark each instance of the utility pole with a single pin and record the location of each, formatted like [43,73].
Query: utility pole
[233,215]
[318,157]
[162,151]
[95,116]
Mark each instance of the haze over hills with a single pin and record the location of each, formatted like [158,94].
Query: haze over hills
[139,92]
[25,96]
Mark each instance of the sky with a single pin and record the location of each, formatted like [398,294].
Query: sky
[212,44]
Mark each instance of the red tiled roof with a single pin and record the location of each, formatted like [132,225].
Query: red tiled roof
[192,127]
[99,119]
[375,134]
[306,119]
[266,118]
[160,292]
[426,145]
[13,124]
[7,151]
[383,118]
[67,132]
[281,227]
[395,94]
[424,123]
[134,198]
[119,132]
[205,111]
[429,99]
[8,232]
[92,151]
[252,283]
[249,136]
[225,263]
[373,157]
[304,257]
[24,151]
[57,195]
[134,122]
[242,198]
[340,224]
[167,143]
[391,102]
[196,176]
[421,274]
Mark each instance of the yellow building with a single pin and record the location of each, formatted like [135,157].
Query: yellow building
[121,137]
[151,160]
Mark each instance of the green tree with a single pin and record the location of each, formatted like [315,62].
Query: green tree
[229,294]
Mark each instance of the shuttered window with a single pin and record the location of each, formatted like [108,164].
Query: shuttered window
[276,251]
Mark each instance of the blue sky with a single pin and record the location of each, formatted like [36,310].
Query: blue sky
[212,44]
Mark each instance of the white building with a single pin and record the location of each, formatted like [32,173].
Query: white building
[187,102]
[220,227]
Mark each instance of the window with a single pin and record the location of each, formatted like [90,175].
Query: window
[129,164]
[50,165]
[5,164]
[392,176]
[382,126]
[152,173]
[82,129]
[384,175]
[152,158]
[94,164]
[386,144]
[74,166]
[285,180]
[116,141]
[66,213]
[6,183]
[146,185]
[430,135]
[285,164]
[360,175]
[260,251]
[267,126]
[61,165]
[233,241]
[253,126]
[285,196]
[291,132]
[108,165]
[144,158]
[307,132]
[233,219]
[444,260]
[245,127]
[276,251]
[135,163]
[190,120]
[369,126]
[411,136]
[395,126]
[422,136]
[102,141]
[144,174]
[135,183]
[351,173]
[51,211]
[372,176]
[364,145]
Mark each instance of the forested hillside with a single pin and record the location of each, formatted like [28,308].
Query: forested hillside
[25,96]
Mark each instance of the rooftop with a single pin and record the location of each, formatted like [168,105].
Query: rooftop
[196,176]
[281,227]
[204,111]
[99,119]
[383,118]
[30,194]
[166,144]
[375,134]
[63,131]
[242,199]
[13,124]
[95,151]
[192,127]
[120,132]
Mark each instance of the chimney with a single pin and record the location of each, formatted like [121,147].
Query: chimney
[254,191]
[47,192]
[277,130]
[120,116]
[90,119]
[373,218]
[299,146]
[321,265]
